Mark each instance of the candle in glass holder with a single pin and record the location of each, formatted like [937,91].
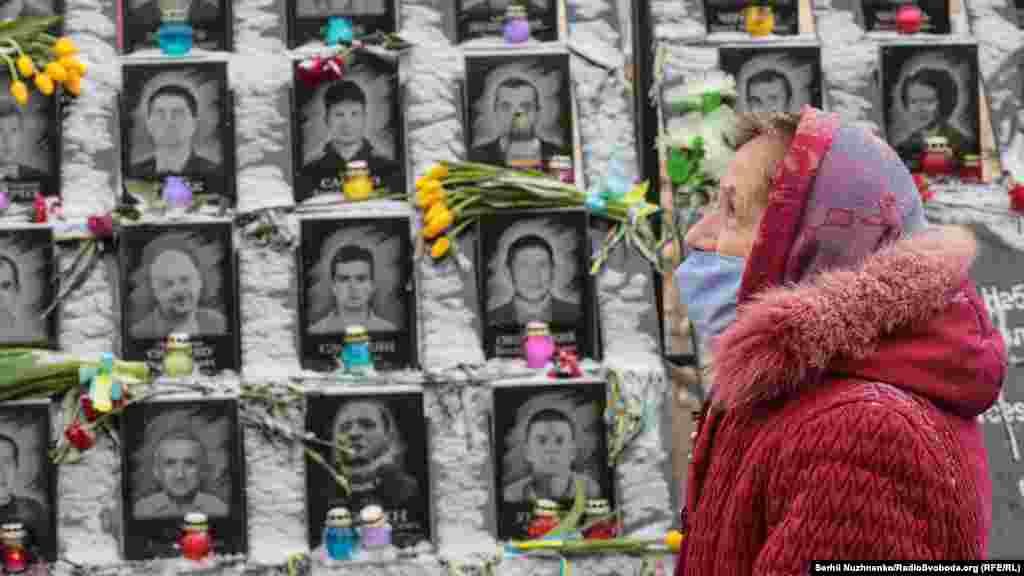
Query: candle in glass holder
[178,361]
[175,32]
[339,536]
[759,19]
[545,518]
[561,167]
[355,354]
[517,25]
[195,538]
[970,168]
[358,185]
[15,556]
[538,345]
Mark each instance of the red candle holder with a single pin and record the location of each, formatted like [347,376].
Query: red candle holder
[15,557]
[195,539]
[909,19]
[970,168]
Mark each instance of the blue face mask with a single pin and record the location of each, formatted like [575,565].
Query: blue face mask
[709,285]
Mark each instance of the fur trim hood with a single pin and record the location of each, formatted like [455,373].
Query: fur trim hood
[906,315]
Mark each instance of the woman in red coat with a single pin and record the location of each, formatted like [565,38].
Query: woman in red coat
[850,355]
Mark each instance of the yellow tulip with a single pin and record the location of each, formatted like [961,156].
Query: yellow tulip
[438,224]
[427,198]
[72,64]
[56,71]
[435,210]
[44,83]
[674,540]
[438,171]
[64,46]
[20,92]
[25,66]
[428,184]
[73,84]
[440,248]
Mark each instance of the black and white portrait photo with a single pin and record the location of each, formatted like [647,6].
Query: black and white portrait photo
[1006,98]
[548,440]
[211,22]
[307,18]
[774,79]
[177,119]
[180,279]
[535,269]
[27,273]
[356,118]
[880,15]
[730,16]
[182,456]
[386,465]
[519,109]
[28,479]
[930,91]
[485,18]
[29,146]
[357,272]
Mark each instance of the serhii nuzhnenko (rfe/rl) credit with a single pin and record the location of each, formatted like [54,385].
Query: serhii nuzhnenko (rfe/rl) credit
[918,567]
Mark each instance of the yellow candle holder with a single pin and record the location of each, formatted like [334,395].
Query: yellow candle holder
[759,20]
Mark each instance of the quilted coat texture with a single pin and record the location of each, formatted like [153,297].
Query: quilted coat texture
[843,424]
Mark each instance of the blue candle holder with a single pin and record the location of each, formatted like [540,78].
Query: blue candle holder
[175,38]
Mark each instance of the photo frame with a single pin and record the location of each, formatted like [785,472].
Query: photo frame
[387,427]
[880,15]
[500,89]
[178,119]
[930,90]
[139,22]
[162,437]
[359,117]
[728,16]
[357,266]
[480,19]
[307,18]
[28,273]
[527,416]
[30,477]
[30,145]
[530,256]
[180,277]
[776,77]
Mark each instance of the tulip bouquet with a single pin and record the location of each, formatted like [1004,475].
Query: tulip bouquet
[454,195]
[32,53]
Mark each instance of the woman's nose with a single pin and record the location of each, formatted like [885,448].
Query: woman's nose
[704,234]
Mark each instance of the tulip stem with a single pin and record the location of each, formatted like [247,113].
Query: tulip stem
[11,67]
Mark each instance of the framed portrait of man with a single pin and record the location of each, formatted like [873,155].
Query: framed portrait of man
[533,267]
[880,15]
[357,271]
[729,16]
[28,478]
[485,19]
[307,19]
[178,120]
[180,279]
[549,441]
[27,286]
[776,78]
[357,118]
[386,461]
[211,21]
[182,456]
[930,91]
[519,108]
[30,145]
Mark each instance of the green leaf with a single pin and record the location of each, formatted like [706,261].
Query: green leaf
[568,523]
[26,27]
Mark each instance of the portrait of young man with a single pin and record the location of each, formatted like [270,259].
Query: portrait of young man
[27,269]
[179,122]
[27,478]
[519,112]
[29,148]
[774,79]
[550,443]
[180,279]
[210,21]
[358,118]
[386,460]
[181,456]
[536,272]
[483,19]
[357,272]
[930,92]
[307,17]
